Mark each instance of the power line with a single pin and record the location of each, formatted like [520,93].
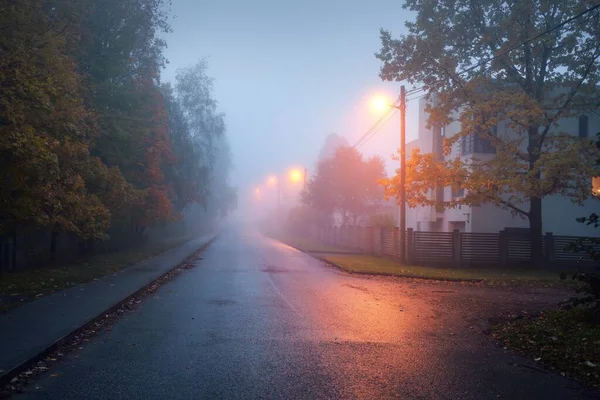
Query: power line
[374,132]
[375,126]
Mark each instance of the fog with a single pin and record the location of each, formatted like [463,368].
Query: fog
[286,75]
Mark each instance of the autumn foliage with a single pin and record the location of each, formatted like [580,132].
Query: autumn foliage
[511,74]
[91,142]
[345,186]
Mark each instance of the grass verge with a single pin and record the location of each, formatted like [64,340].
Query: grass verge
[562,339]
[17,288]
[491,276]
[366,264]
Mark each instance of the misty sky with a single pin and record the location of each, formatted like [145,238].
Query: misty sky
[289,73]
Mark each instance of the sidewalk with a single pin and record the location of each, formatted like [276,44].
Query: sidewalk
[27,331]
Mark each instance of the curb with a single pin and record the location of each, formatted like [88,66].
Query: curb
[25,365]
[336,266]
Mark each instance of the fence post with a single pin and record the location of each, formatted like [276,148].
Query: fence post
[395,243]
[381,240]
[549,242]
[409,246]
[503,247]
[456,256]
[371,240]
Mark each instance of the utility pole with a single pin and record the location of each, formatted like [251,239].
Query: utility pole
[278,193]
[403,174]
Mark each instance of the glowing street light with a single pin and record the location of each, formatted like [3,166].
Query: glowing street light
[296,175]
[379,104]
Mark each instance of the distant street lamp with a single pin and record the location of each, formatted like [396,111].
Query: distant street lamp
[294,175]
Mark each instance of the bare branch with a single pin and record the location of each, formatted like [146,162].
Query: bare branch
[571,95]
[507,204]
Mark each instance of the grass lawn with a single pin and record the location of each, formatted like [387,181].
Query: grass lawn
[19,287]
[562,339]
[366,264]
[309,245]
[493,276]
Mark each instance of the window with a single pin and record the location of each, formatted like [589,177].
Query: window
[596,186]
[478,143]
[583,126]
[458,190]
[475,144]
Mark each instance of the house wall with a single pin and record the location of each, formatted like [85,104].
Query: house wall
[559,213]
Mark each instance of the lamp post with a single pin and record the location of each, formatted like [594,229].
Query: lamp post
[402,108]
[294,175]
[379,104]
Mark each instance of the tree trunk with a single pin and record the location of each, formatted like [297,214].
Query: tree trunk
[535,230]
[53,237]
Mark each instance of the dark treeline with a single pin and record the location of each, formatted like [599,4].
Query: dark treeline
[93,147]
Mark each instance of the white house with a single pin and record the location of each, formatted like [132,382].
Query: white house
[559,213]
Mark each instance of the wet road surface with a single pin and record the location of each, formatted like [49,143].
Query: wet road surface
[258,319]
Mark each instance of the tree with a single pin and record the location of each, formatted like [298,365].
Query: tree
[194,91]
[45,129]
[525,91]
[382,221]
[345,184]
[119,54]
[332,142]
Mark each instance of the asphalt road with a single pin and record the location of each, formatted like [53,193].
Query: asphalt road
[258,319]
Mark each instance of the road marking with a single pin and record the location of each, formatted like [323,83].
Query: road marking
[282,296]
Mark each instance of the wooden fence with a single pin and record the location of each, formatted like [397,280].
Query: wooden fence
[454,248]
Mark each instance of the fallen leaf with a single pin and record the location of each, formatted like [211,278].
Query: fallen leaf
[13,380]
[590,364]
[537,359]
[54,375]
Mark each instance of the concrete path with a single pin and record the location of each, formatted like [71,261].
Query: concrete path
[30,329]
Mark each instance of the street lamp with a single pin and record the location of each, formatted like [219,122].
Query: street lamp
[380,104]
[294,175]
